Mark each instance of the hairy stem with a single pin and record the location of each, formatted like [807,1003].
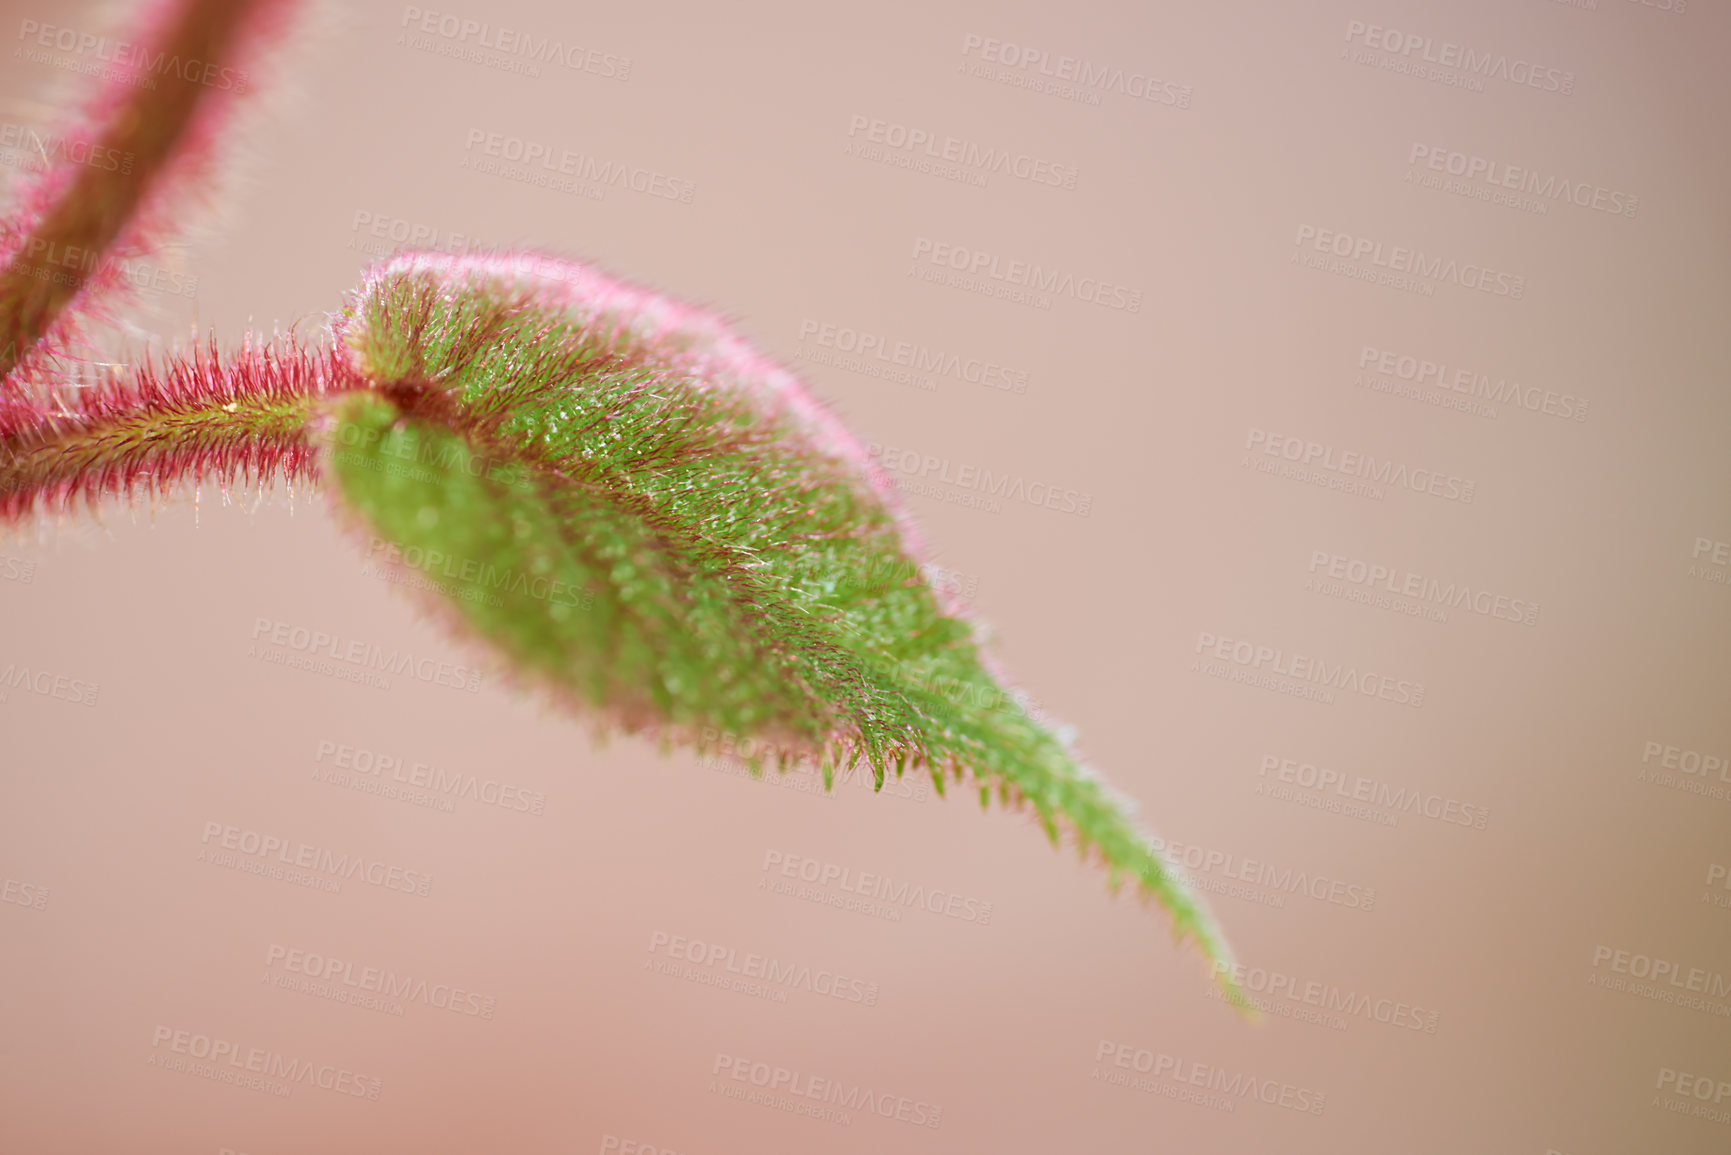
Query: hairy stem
[66,248]
[248,417]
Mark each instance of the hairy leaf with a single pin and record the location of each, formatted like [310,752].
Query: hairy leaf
[657,523]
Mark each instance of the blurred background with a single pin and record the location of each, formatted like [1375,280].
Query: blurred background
[1378,352]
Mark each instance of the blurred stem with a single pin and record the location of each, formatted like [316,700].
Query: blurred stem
[68,245]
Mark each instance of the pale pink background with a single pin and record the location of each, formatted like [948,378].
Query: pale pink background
[553,915]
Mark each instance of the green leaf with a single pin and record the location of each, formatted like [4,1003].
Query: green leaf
[654,523]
